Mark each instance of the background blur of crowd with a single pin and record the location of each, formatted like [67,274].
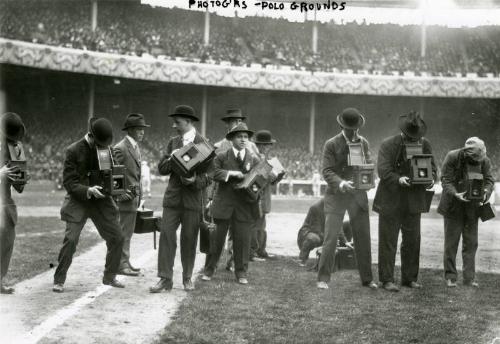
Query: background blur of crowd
[133,29]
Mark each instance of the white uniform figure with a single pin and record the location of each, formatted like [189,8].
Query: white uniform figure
[316,183]
[145,178]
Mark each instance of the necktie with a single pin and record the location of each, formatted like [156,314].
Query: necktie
[239,157]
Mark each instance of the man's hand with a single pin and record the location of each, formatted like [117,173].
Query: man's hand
[188,180]
[347,186]
[404,181]
[487,196]
[461,196]
[95,191]
[9,172]
[236,174]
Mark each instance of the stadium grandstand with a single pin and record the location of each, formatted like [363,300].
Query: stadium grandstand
[55,99]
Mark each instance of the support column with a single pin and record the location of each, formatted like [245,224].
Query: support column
[314,39]
[93,15]
[91,96]
[206,33]
[312,123]
[423,30]
[204,110]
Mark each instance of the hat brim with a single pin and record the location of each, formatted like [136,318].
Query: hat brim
[403,126]
[345,126]
[230,135]
[265,142]
[227,118]
[136,126]
[194,118]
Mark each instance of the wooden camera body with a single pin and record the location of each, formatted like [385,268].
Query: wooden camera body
[146,222]
[474,183]
[17,158]
[192,157]
[256,180]
[363,174]
[420,164]
[109,176]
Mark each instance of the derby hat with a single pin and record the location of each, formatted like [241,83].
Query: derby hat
[102,131]
[185,111]
[233,113]
[135,120]
[412,125]
[351,118]
[242,127]
[264,137]
[12,126]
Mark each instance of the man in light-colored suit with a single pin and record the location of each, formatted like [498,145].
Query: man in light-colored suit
[127,153]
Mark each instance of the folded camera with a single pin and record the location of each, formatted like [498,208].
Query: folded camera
[192,157]
[420,164]
[363,174]
[17,158]
[109,176]
[474,183]
[256,180]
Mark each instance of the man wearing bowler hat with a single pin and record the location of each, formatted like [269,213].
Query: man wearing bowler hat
[182,204]
[341,196]
[400,203]
[12,131]
[85,201]
[128,153]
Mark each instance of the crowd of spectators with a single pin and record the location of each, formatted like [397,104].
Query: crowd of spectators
[134,29]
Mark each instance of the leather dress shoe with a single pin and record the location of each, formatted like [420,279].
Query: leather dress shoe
[451,283]
[321,285]
[113,283]
[58,288]
[206,278]
[257,259]
[188,284]
[266,255]
[163,283]
[6,290]
[472,283]
[413,285]
[128,272]
[242,280]
[372,285]
[133,268]
[390,286]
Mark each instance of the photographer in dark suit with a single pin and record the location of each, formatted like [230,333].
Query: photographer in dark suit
[231,208]
[400,203]
[341,196]
[461,214]
[128,154]
[12,130]
[182,205]
[85,201]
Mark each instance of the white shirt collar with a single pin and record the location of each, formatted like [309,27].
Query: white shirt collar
[188,136]
[87,138]
[132,141]
[243,153]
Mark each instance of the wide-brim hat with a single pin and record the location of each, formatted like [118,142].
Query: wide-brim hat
[12,126]
[264,137]
[135,120]
[412,125]
[242,127]
[102,131]
[351,118]
[185,111]
[233,113]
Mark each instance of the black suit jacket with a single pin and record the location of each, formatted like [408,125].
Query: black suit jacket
[453,181]
[335,170]
[177,194]
[126,155]
[227,200]
[390,196]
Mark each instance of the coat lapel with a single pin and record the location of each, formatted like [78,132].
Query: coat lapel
[132,152]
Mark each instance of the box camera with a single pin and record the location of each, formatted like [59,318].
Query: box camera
[256,180]
[192,157]
[420,164]
[109,176]
[363,174]
[146,222]
[474,183]
[17,158]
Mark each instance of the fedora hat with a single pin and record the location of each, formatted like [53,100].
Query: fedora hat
[412,125]
[233,113]
[12,126]
[185,111]
[102,131]
[242,127]
[351,118]
[264,137]
[135,120]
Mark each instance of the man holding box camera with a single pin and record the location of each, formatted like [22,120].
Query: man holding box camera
[85,200]
[460,203]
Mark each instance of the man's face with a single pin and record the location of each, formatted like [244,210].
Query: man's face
[264,148]
[409,138]
[137,133]
[240,140]
[181,125]
[350,133]
[232,122]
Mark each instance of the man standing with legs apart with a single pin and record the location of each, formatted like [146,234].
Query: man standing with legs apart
[400,203]
[182,205]
[84,201]
[459,211]
[341,196]
[127,153]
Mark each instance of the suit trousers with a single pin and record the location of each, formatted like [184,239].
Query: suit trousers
[388,229]
[242,232]
[189,220]
[465,226]
[127,224]
[7,236]
[360,224]
[309,243]
[259,237]
[109,230]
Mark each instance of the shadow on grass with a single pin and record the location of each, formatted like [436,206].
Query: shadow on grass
[282,305]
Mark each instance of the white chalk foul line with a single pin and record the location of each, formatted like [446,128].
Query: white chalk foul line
[69,311]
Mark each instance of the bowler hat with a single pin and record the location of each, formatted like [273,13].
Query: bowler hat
[184,111]
[351,118]
[135,120]
[412,125]
[12,126]
[242,127]
[233,113]
[102,131]
[264,137]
